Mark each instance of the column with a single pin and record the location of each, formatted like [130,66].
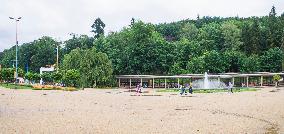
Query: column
[261,80]
[233,81]
[153,83]
[178,82]
[165,83]
[219,79]
[130,83]
[247,81]
[141,82]
[118,82]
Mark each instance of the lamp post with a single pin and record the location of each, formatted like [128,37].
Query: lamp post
[57,56]
[16,20]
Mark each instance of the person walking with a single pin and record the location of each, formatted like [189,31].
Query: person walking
[230,87]
[190,88]
[138,90]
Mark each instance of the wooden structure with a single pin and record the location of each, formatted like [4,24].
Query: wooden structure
[157,81]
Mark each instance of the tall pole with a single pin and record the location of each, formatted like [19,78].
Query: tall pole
[16,52]
[57,56]
[16,20]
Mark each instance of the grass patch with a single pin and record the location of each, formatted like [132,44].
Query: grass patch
[13,86]
[25,86]
[210,90]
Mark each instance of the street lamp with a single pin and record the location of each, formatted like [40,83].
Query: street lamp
[16,20]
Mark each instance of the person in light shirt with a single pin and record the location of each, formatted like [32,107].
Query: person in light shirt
[230,87]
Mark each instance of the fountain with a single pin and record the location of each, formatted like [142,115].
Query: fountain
[208,83]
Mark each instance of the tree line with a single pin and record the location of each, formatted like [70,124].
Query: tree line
[213,44]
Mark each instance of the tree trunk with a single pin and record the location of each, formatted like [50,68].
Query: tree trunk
[276,84]
[95,84]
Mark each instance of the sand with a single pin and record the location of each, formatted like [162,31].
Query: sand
[119,112]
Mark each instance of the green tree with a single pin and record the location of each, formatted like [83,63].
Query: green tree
[233,60]
[7,74]
[276,30]
[8,58]
[185,50]
[98,28]
[148,52]
[45,53]
[255,37]
[176,69]
[26,51]
[189,31]
[232,36]
[95,68]
[170,31]
[271,60]
[250,64]
[196,65]
[103,69]
[100,44]
[29,76]
[32,77]
[72,60]
[82,41]
[32,55]
[87,66]
[214,62]
[132,21]
[117,47]
[272,13]
[210,37]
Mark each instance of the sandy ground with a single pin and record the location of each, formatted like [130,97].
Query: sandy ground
[116,111]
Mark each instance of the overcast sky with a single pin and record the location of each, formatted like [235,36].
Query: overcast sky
[59,18]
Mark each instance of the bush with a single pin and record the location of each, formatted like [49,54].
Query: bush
[71,77]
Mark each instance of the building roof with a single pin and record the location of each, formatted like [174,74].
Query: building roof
[221,75]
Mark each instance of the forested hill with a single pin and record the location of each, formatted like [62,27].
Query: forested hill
[211,44]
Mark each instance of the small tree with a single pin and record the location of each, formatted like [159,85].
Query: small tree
[29,76]
[276,79]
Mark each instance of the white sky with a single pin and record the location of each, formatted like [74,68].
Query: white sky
[59,18]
